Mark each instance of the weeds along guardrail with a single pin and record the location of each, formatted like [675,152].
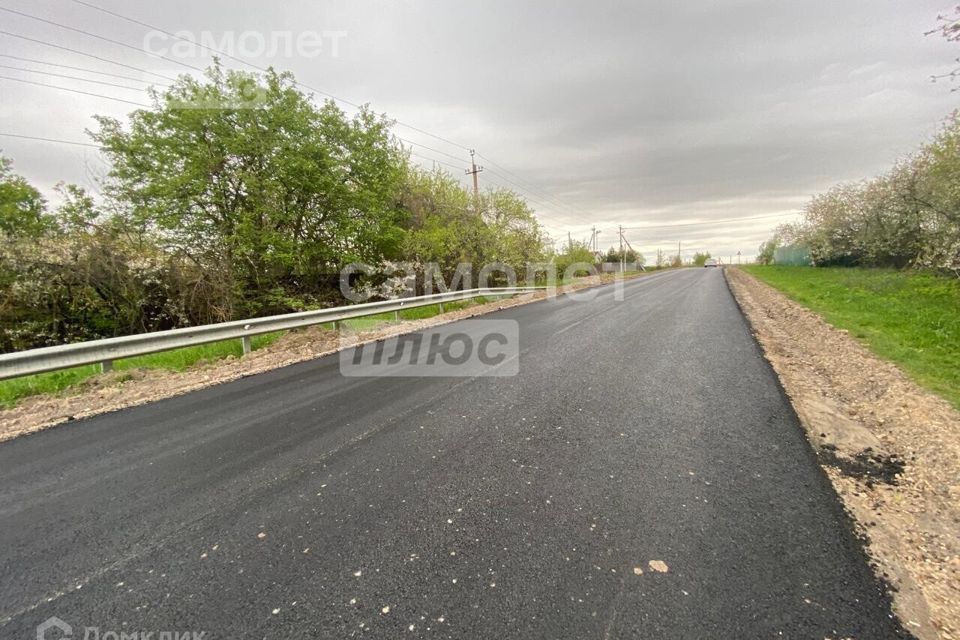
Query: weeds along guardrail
[104,352]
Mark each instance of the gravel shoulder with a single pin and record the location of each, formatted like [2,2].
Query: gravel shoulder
[890,448]
[121,389]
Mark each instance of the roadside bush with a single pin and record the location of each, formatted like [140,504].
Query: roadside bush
[908,216]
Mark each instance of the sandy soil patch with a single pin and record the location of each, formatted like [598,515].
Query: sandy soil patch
[127,388]
[891,449]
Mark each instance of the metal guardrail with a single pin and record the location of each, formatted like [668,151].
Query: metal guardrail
[104,352]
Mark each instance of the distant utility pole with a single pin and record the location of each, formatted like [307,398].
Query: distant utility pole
[636,254]
[474,170]
[595,240]
[678,251]
[738,256]
[623,257]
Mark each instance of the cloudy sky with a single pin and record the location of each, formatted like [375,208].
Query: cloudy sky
[668,118]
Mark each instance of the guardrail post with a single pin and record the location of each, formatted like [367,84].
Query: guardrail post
[441,307]
[396,315]
[106,366]
[336,325]
[247,347]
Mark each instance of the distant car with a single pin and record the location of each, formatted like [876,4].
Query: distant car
[711,262]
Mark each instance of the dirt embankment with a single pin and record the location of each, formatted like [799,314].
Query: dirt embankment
[891,449]
[120,389]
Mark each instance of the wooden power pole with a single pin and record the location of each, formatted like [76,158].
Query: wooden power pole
[474,170]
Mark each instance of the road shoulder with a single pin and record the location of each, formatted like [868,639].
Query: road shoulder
[890,448]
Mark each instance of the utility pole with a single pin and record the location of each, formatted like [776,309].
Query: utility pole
[678,252]
[623,256]
[738,256]
[595,240]
[474,170]
[631,249]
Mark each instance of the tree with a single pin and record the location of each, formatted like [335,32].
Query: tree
[577,255]
[515,235]
[907,216]
[447,226]
[948,26]
[700,258]
[783,235]
[442,227]
[243,174]
[22,208]
[627,255]
[767,249]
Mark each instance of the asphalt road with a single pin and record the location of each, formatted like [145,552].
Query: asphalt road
[302,504]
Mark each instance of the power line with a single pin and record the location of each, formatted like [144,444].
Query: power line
[446,164]
[254,66]
[453,166]
[79,144]
[227,55]
[530,186]
[528,197]
[324,93]
[96,146]
[90,144]
[86,93]
[553,203]
[67,66]
[443,153]
[219,52]
[99,37]
[88,55]
[60,75]
[458,169]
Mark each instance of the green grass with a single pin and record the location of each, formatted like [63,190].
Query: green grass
[177,360]
[910,318]
[11,391]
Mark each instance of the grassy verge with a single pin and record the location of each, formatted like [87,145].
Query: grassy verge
[11,391]
[177,360]
[912,319]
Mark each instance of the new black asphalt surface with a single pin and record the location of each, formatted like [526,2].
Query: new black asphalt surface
[302,504]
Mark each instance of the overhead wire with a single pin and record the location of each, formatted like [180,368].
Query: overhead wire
[42,139]
[86,93]
[83,53]
[103,38]
[541,195]
[225,54]
[61,75]
[67,66]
